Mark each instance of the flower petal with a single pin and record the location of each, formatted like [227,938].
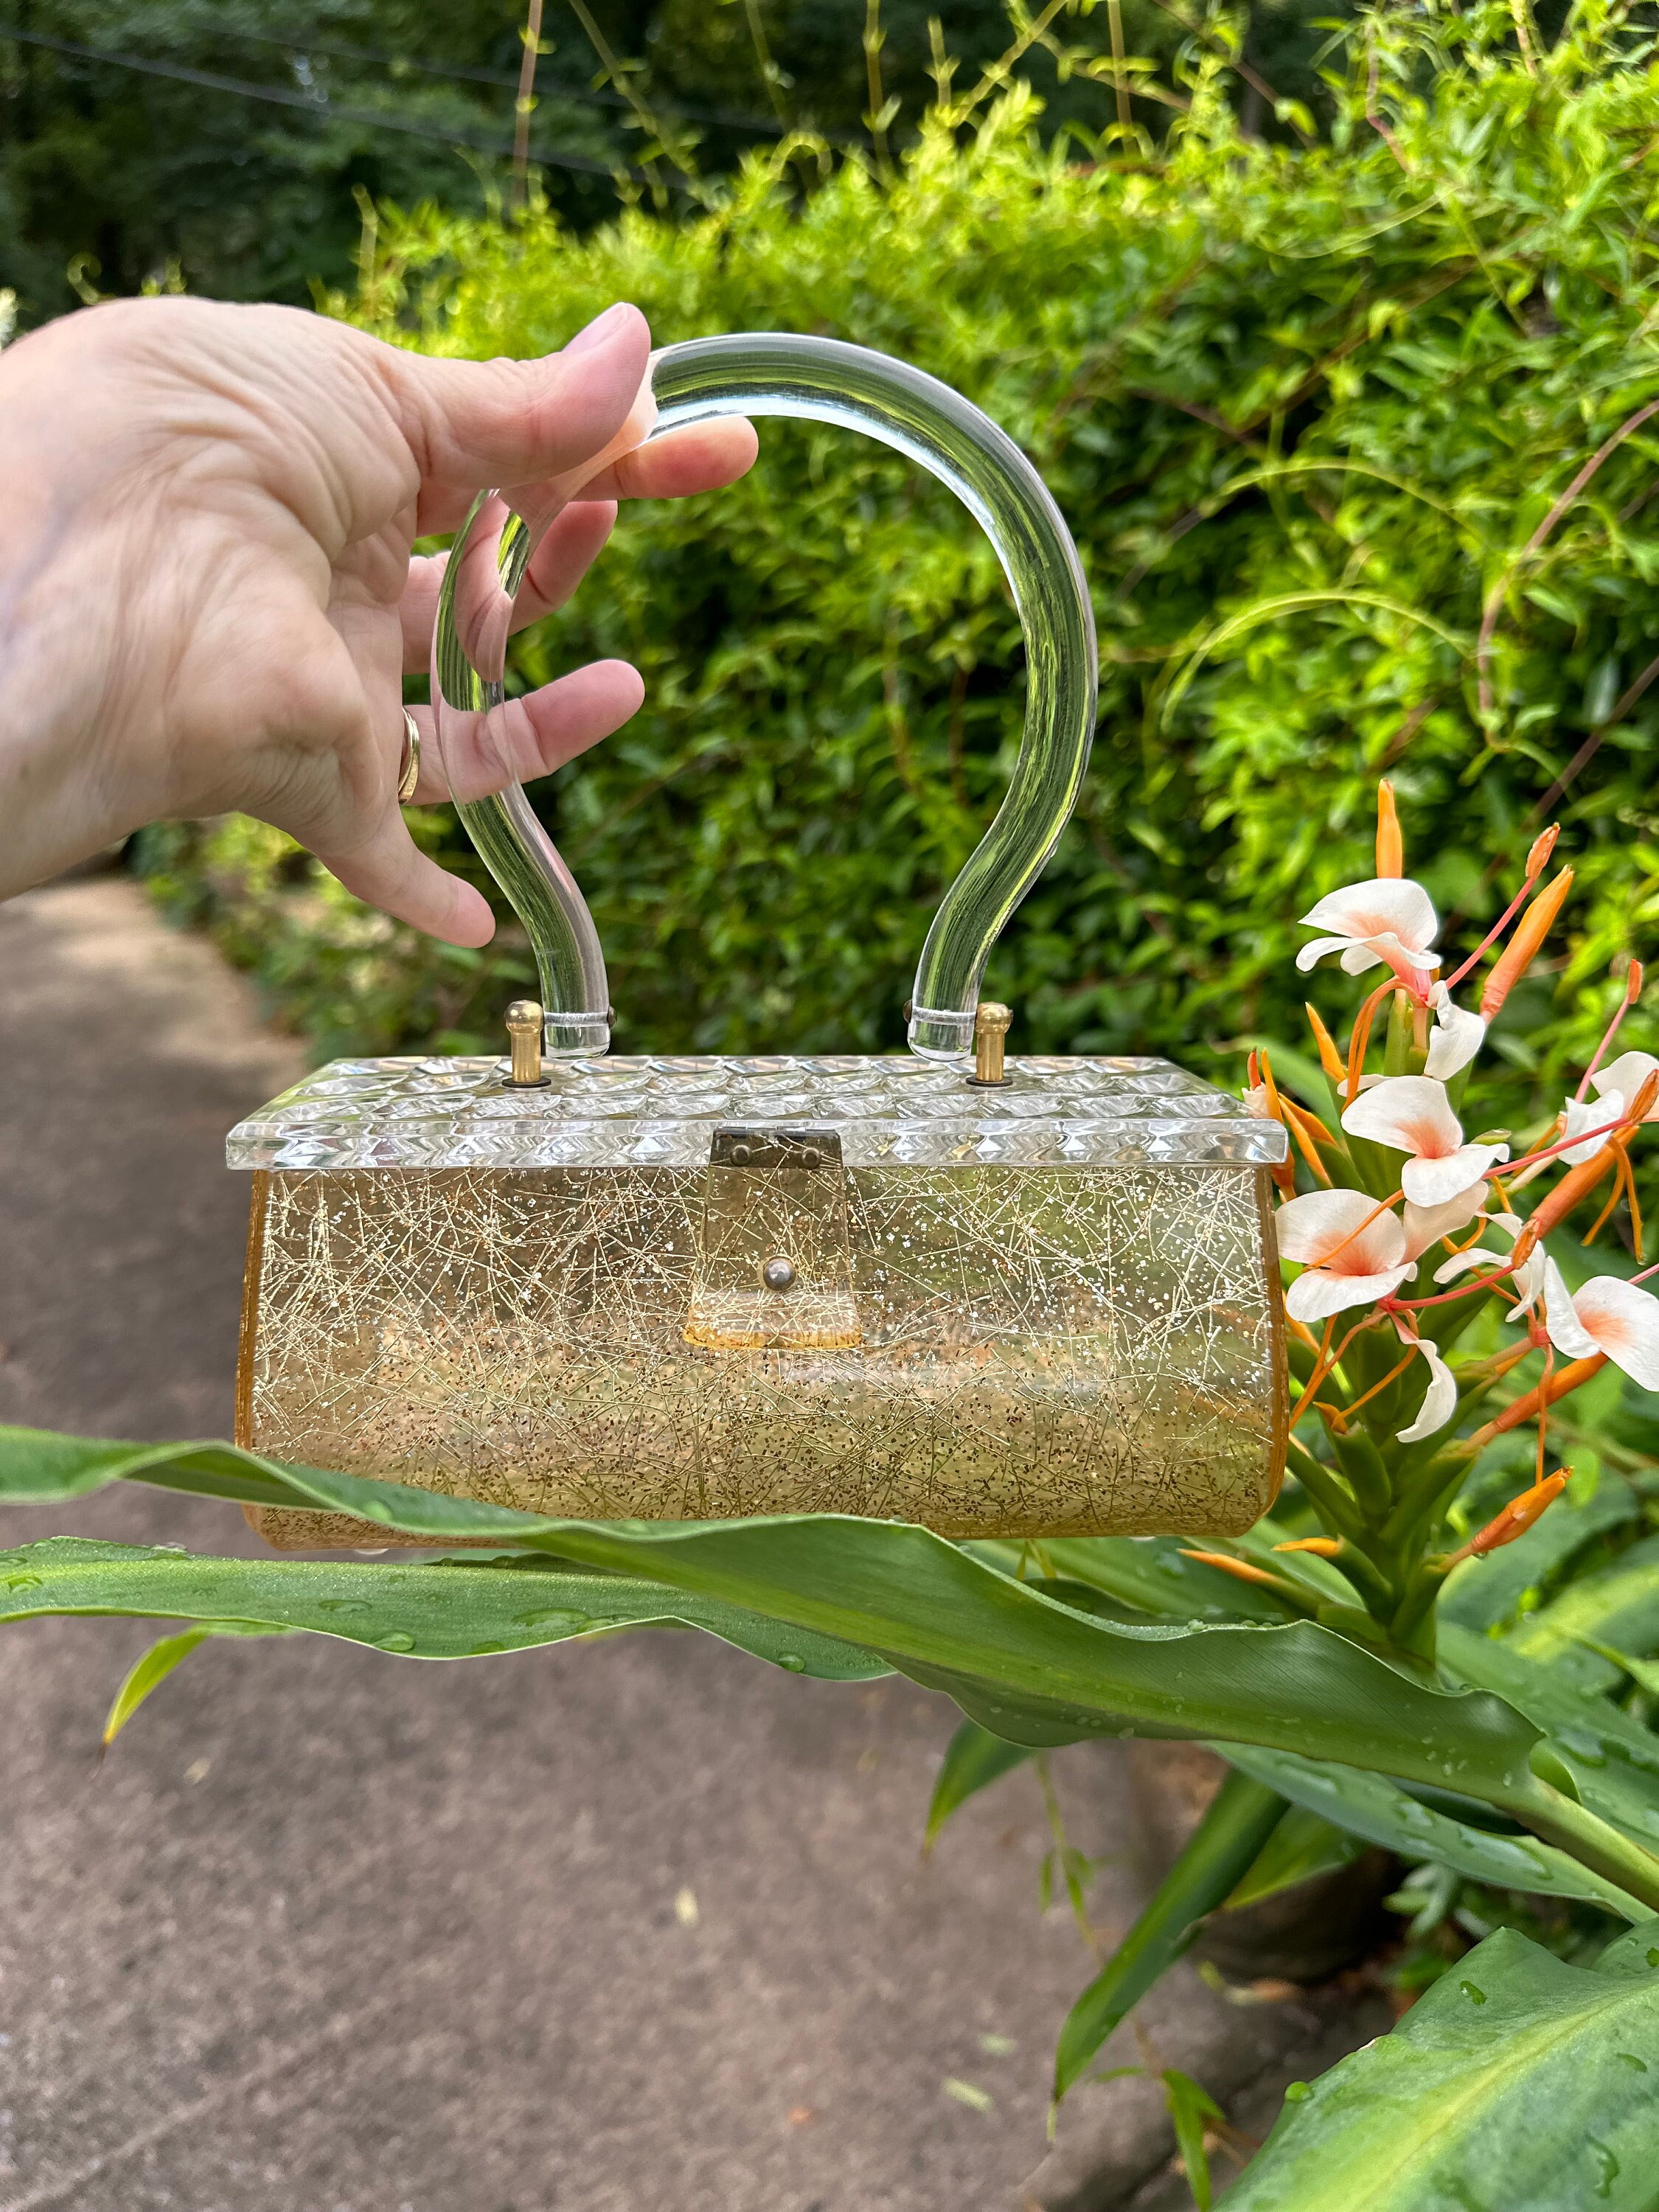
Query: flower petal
[1591,1119]
[1391,906]
[1310,955]
[1427,1225]
[1438,1182]
[1623,1321]
[1458,1036]
[1320,1293]
[1566,1332]
[1463,1263]
[1256,1106]
[1343,1230]
[1439,1399]
[1409,1114]
[1626,1075]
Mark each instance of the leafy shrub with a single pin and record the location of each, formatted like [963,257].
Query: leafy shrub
[1352,436]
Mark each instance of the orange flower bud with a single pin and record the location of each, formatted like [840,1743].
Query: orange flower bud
[1329,1058]
[1519,1515]
[1390,847]
[1245,1569]
[1573,1188]
[1523,949]
[1323,1548]
[1542,846]
[1533,1403]
[1633,983]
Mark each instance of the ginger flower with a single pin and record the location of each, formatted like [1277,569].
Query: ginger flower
[1626,1075]
[1389,918]
[1352,1251]
[1592,1121]
[1609,1315]
[1410,1113]
[1439,1399]
[1458,1036]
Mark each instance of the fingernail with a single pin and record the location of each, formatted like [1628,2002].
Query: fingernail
[599,329]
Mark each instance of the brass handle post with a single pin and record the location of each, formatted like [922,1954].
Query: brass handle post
[991,1025]
[523,1028]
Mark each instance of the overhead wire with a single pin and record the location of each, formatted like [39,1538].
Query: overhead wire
[590,96]
[323,109]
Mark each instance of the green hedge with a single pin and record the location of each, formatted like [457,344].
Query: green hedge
[1309,410]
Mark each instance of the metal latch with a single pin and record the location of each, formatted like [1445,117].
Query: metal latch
[773,1268]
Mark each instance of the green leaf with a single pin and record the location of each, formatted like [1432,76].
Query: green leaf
[973,1759]
[441,1609]
[1190,2107]
[159,1662]
[1300,1847]
[1612,1760]
[1380,1811]
[1220,1850]
[1518,2082]
[1620,1604]
[1022,1664]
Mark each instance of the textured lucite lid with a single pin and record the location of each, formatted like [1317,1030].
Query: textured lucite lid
[617,1112]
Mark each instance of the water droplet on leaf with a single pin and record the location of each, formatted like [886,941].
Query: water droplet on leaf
[1473,1995]
[1297,2093]
[793,1660]
[397,1641]
[560,1619]
[1607,2166]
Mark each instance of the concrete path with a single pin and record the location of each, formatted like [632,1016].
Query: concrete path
[629,1926]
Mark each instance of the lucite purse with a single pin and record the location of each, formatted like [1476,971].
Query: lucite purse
[996,1295]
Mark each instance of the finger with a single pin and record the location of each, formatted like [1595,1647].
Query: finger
[388,872]
[702,458]
[523,738]
[567,549]
[475,422]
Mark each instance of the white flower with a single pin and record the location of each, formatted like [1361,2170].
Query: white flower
[1626,1075]
[1427,1225]
[1605,1314]
[1591,1120]
[1528,1280]
[1351,1259]
[1439,1399]
[1458,1036]
[1390,918]
[1412,1114]
[1255,1103]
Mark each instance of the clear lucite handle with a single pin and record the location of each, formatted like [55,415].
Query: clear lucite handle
[824,381]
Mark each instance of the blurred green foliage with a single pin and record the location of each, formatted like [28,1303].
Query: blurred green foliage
[227,145]
[1316,411]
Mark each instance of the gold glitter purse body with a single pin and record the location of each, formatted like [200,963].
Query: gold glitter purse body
[1024,1296]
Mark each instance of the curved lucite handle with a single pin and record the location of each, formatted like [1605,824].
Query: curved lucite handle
[824,381]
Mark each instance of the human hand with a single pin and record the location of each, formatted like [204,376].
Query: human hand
[206,598]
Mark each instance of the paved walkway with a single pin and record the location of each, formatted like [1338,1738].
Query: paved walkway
[599,1930]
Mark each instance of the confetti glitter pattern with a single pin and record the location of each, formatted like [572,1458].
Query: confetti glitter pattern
[1041,1349]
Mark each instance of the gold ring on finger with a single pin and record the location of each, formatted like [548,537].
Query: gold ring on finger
[409,775]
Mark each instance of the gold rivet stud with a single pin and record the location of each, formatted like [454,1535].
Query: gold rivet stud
[523,1028]
[991,1024]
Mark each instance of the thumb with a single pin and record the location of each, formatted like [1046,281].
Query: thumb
[476,423]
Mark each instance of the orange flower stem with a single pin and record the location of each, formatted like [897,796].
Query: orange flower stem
[1361,1037]
[1632,993]
[1525,1407]
[1347,1413]
[1536,862]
